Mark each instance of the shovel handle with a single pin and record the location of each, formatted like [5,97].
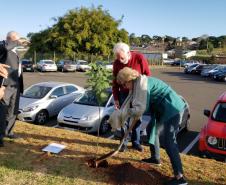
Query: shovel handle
[113,153]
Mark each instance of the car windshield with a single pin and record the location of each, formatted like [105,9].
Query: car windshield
[89,98]
[36,92]
[49,62]
[83,63]
[219,113]
[193,65]
[24,62]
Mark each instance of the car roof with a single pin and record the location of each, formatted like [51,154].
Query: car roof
[222,97]
[53,84]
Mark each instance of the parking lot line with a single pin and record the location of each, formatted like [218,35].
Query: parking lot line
[189,147]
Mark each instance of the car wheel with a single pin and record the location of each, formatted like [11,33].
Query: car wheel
[104,126]
[41,117]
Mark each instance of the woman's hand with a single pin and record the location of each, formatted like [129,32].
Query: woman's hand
[117,106]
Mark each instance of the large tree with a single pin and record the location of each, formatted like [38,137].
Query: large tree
[84,30]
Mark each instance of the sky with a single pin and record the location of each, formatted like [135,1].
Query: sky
[177,18]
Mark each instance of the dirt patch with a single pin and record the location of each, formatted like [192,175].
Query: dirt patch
[135,174]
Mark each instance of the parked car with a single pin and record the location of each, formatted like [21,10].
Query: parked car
[146,119]
[46,65]
[189,63]
[82,65]
[84,113]
[66,65]
[209,69]
[107,65]
[46,99]
[27,65]
[216,70]
[220,76]
[189,69]
[212,138]
[198,69]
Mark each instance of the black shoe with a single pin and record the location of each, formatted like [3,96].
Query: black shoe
[123,148]
[137,147]
[1,143]
[175,181]
[151,160]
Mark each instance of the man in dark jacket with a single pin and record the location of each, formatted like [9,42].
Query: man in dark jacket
[9,104]
[3,75]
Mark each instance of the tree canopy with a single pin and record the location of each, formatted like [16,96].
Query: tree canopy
[84,30]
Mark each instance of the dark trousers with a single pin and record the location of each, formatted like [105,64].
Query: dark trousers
[135,138]
[10,104]
[2,117]
[170,129]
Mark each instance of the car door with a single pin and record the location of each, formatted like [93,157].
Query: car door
[58,102]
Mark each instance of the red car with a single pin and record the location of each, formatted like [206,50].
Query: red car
[212,141]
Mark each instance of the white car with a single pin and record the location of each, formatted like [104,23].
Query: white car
[109,66]
[46,65]
[85,114]
[46,99]
[82,65]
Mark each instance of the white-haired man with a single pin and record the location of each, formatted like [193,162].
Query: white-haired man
[9,104]
[135,60]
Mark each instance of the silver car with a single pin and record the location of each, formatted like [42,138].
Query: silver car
[46,99]
[84,113]
[82,65]
[46,65]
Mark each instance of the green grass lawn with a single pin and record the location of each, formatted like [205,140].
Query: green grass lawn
[23,163]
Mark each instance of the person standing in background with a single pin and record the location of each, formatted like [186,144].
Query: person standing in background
[135,60]
[3,74]
[9,104]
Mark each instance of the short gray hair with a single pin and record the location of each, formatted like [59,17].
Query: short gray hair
[121,47]
[126,74]
[12,35]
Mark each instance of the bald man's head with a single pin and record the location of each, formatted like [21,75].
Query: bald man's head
[12,36]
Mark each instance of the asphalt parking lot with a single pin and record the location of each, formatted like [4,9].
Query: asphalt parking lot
[200,93]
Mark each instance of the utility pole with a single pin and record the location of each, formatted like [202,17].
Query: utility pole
[35,57]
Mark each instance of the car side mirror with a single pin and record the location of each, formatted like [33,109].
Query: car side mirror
[206,112]
[53,97]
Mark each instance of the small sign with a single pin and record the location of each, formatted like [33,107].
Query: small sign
[54,148]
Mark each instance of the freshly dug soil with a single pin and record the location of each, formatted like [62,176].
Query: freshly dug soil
[135,174]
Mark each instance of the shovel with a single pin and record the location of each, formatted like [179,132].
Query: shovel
[101,161]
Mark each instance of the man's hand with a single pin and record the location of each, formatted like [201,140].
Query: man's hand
[2,91]
[3,70]
[117,106]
